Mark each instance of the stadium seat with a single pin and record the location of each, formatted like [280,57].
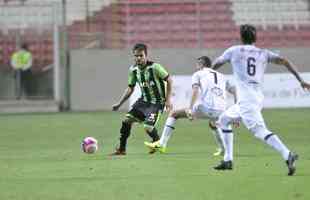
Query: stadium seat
[172,24]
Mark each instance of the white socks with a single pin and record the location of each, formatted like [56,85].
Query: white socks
[275,142]
[228,139]
[218,138]
[272,140]
[169,126]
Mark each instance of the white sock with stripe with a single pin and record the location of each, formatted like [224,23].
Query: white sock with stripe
[169,126]
[228,140]
[275,142]
[217,133]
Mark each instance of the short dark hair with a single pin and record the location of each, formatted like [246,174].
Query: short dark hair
[206,61]
[248,33]
[140,47]
[24,46]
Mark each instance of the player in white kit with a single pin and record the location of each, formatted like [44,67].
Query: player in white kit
[249,63]
[208,101]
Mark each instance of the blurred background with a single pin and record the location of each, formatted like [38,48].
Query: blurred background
[81,49]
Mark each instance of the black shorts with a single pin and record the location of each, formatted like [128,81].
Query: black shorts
[145,112]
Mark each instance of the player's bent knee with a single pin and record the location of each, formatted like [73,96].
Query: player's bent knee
[173,114]
[224,122]
[128,120]
[260,132]
[212,125]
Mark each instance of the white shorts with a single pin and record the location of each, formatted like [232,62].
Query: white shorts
[249,114]
[203,112]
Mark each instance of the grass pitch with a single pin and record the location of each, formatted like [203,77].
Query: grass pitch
[41,159]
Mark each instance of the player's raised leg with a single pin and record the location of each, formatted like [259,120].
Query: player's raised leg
[152,132]
[152,116]
[167,132]
[217,133]
[260,131]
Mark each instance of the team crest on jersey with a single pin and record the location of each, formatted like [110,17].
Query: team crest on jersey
[147,84]
[144,84]
[217,91]
[152,117]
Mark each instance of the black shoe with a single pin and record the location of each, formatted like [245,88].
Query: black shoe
[291,163]
[224,165]
[152,151]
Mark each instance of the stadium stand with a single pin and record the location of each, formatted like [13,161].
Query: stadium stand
[74,13]
[209,23]
[36,29]
[262,12]
[283,22]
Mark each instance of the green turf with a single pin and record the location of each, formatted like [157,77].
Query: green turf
[40,158]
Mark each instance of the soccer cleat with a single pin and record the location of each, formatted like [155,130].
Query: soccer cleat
[152,146]
[118,152]
[219,152]
[155,146]
[224,165]
[291,163]
[152,151]
[162,150]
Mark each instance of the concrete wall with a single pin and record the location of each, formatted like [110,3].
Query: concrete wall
[7,84]
[99,77]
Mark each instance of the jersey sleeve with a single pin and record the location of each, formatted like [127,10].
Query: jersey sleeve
[14,61]
[225,57]
[271,55]
[161,72]
[229,85]
[132,78]
[195,79]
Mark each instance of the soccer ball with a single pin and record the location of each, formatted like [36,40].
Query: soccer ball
[89,145]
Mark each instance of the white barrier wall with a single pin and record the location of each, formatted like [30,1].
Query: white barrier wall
[281,91]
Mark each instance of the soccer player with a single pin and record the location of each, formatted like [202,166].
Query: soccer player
[155,84]
[208,101]
[249,63]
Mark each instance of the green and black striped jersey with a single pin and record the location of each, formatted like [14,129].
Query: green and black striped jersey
[151,80]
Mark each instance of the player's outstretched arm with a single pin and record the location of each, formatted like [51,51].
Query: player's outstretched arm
[194,97]
[216,65]
[291,68]
[127,93]
[224,58]
[168,103]
[305,85]
[232,90]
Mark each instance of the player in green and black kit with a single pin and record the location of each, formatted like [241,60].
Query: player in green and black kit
[155,84]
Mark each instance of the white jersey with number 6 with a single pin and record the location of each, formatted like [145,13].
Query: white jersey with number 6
[249,65]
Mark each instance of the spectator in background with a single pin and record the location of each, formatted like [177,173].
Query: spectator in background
[21,61]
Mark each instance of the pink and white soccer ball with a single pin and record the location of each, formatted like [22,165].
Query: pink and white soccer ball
[89,145]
